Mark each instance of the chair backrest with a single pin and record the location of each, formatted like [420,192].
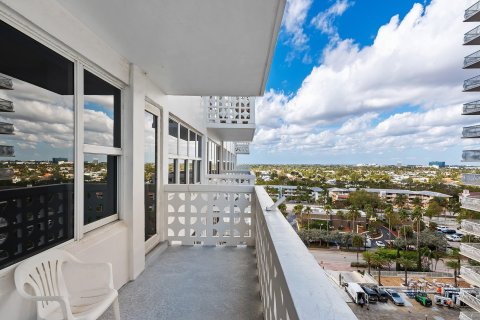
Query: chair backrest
[42,275]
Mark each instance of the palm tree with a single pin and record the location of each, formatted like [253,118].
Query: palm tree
[308,211]
[357,241]
[455,265]
[353,214]
[378,261]
[417,215]
[406,264]
[328,211]
[400,200]
[367,256]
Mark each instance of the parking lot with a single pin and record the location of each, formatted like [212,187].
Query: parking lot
[411,311]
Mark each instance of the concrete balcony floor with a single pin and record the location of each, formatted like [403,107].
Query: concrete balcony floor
[194,283]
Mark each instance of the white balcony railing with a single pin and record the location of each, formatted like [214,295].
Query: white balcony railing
[469,296]
[472,34]
[230,111]
[470,250]
[231,178]
[471,107]
[471,179]
[471,274]
[471,59]
[469,316]
[470,203]
[472,10]
[471,155]
[472,131]
[242,148]
[209,215]
[292,285]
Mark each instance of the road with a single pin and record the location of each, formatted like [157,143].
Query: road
[386,235]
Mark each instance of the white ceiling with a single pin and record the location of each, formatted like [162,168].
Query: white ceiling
[190,47]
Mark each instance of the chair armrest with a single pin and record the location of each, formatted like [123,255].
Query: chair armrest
[83,276]
[64,304]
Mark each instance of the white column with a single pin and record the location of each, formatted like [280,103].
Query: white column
[132,184]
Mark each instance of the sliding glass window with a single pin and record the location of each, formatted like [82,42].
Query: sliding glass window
[36,147]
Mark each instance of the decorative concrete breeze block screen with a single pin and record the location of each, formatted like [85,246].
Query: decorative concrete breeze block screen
[210,218]
[230,110]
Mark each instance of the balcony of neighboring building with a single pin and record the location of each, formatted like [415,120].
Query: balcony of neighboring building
[470,202]
[471,108]
[471,274]
[472,37]
[471,179]
[230,118]
[470,250]
[466,315]
[471,132]
[470,297]
[232,177]
[472,61]
[471,155]
[472,84]
[472,13]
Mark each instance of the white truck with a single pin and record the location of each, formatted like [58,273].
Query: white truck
[356,292]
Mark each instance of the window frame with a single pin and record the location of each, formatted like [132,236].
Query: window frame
[185,159]
[82,148]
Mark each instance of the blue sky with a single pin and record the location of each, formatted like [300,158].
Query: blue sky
[366,82]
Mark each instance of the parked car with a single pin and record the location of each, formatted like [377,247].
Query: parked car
[382,294]
[449,237]
[380,244]
[450,231]
[459,234]
[423,298]
[372,294]
[456,238]
[395,297]
[442,228]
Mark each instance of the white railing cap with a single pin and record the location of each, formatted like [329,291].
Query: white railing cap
[312,292]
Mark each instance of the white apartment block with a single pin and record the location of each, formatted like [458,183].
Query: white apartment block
[469,200]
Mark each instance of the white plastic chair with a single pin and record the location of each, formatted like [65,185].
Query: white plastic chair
[66,288]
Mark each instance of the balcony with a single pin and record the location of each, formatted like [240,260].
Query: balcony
[469,296]
[470,250]
[471,226]
[471,203]
[471,274]
[230,118]
[472,84]
[218,275]
[471,132]
[472,61]
[471,155]
[471,108]
[471,179]
[472,13]
[472,37]
[232,178]
[469,316]
[242,148]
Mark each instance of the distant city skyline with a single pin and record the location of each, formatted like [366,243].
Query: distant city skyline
[366,82]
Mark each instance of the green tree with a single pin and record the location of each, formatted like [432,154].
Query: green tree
[308,211]
[367,256]
[379,261]
[433,210]
[357,242]
[283,209]
[406,264]
[353,214]
[455,265]
[400,200]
